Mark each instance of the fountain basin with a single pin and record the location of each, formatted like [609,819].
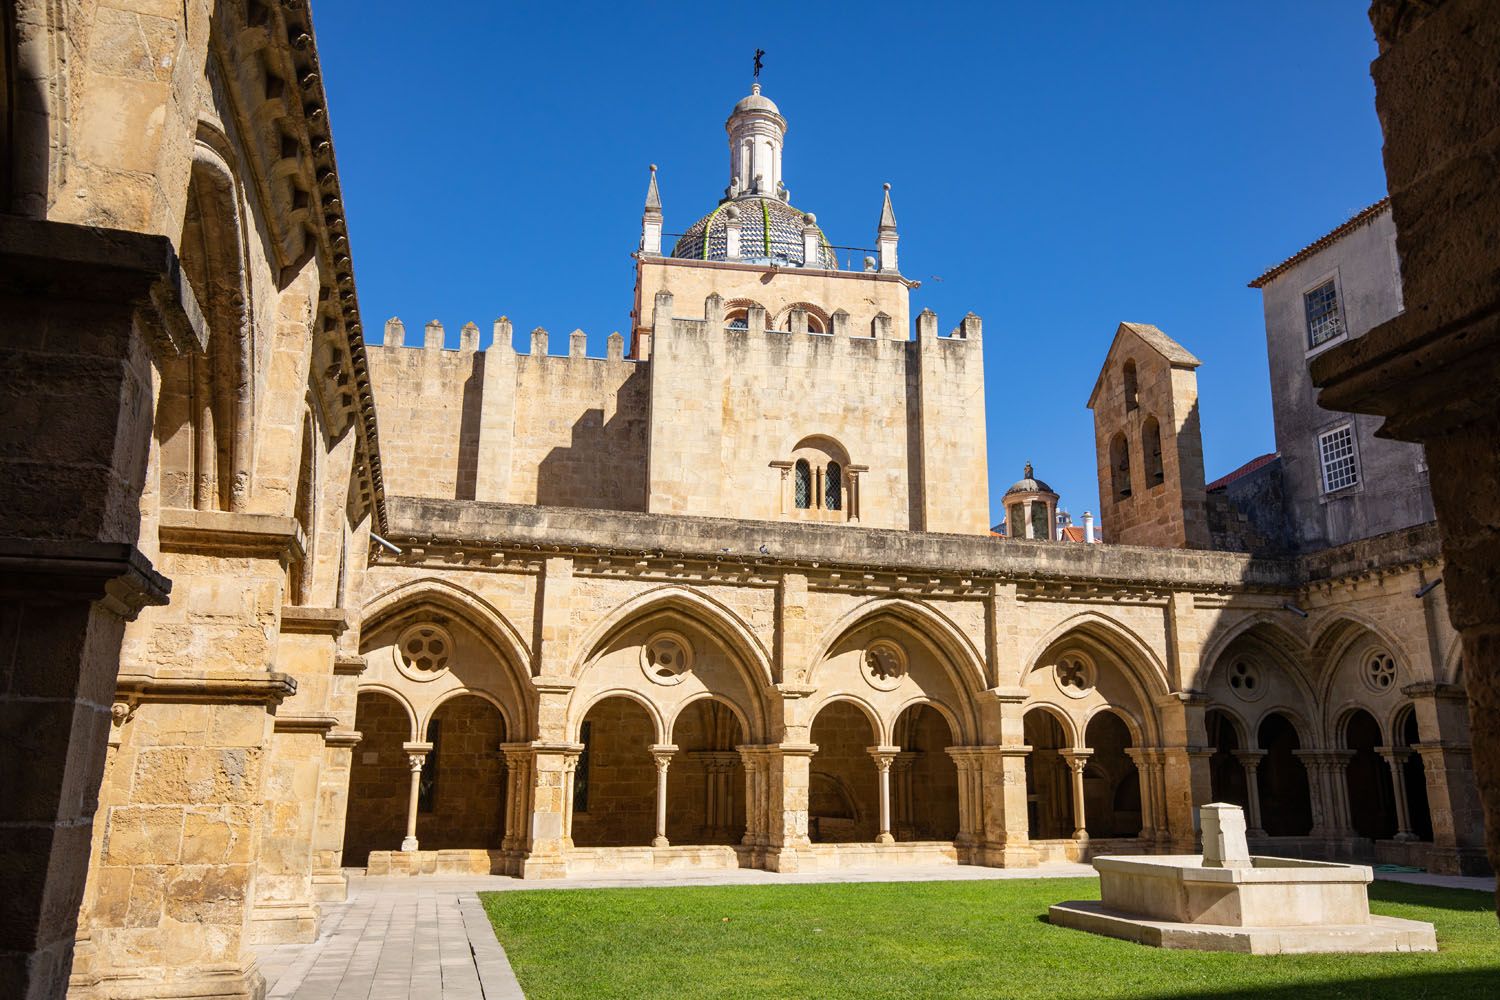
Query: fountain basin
[1266,906]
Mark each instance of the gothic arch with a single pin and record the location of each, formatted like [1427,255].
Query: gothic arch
[1266,628]
[932,627]
[1307,735]
[1336,633]
[484,617]
[701,610]
[1134,725]
[1140,662]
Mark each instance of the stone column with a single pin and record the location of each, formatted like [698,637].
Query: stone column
[789,772]
[1144,768]
[1329,791]
[1396,758]
[903,818]
[970,764]
[661,753]
[79,312]
[1250,761]
[757,808]
[1077,760]
[883,757]
[570,758]
[1452,800]
[416,758]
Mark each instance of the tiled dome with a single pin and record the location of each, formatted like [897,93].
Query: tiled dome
[770,232]
[1030,484]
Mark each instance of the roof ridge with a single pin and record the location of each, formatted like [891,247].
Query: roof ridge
[1353,222]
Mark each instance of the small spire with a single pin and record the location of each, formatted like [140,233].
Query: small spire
[653,196]
[887,213]
[1029,471]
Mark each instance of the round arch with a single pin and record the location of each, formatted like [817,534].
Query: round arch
[784,316]
[1306,734]
[1072,735]
[398,698]
[955,730]
[1131,723]
[505,716]
[877,724]
[658,724]
[669,723]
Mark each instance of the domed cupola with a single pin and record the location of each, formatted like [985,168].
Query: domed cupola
[755,222]
[1030,508]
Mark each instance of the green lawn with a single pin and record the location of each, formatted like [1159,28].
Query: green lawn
[940,940]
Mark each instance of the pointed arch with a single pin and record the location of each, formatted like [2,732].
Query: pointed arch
[719,620]
[936,629]
[1336,635]
[487,620]
[670,722]
[1271,632]
[1135,654]
[1072,735]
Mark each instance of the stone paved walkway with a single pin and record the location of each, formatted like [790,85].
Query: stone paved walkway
[427,938]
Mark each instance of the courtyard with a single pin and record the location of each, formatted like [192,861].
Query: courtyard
[912,932]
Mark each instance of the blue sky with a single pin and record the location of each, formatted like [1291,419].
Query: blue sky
[1058,167]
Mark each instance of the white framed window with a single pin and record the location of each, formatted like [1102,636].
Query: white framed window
[1325,319]
[1339,462]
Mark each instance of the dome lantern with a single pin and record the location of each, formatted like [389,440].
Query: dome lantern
[1030,508]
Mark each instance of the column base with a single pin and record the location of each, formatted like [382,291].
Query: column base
[1003,856]
[884,838]
[213,982]
[409,844]
[554,867]
[660,842]
[284,923]
[330,886]
[783,859]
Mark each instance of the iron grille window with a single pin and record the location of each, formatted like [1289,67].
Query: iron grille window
[1336,450]
[803,486]
[833,487]
[1323,320]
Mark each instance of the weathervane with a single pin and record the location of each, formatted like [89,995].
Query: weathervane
[758,63]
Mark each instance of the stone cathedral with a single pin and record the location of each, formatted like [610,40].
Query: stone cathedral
[726,596]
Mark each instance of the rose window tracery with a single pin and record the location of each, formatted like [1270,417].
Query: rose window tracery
[1380,672]
[424,650]
[666,658]
[1074,675]
[884,664]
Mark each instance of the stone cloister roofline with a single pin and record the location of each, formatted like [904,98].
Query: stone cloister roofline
[454,532]
[478,531]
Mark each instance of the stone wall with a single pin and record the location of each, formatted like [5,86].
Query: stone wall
[566,430]
[1149,442]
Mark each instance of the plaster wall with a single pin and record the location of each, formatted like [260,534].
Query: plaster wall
[1392,492]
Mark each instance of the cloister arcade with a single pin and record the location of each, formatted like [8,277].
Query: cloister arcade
[671,741]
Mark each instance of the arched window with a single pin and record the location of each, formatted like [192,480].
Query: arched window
[1015,521]
[1039,521]
[803,485]
[1119,464]
[814,324]
[1151,452]
[833,487]
[738,319]
[1130,386]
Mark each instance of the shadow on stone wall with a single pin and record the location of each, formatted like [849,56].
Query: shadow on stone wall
[604,466]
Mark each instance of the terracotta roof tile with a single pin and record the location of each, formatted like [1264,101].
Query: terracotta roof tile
[1244,470]
[1359,219]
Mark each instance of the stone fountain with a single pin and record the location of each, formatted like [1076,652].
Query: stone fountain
[1227,900]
